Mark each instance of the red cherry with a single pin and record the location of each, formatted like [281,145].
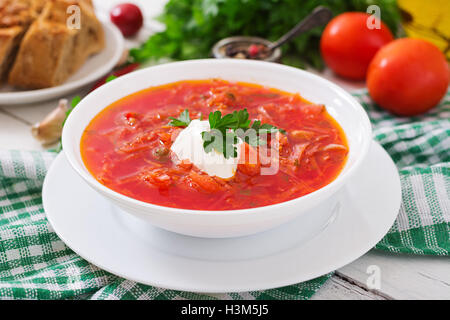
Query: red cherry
[128,18]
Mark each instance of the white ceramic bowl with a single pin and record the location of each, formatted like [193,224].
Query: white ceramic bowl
[316,208]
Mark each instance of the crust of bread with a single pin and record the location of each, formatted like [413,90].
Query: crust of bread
[9,44]
[15,18]
[50,51]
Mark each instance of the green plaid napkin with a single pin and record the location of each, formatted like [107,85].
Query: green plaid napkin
[35,263]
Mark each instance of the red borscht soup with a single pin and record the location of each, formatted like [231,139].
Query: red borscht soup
[128,146]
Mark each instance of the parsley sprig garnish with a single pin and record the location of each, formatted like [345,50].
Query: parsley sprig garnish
[226,130]
[182,121]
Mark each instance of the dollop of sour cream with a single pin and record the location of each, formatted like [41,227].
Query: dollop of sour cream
[189,146]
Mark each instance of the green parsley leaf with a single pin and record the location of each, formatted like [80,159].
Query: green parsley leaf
[214,118]
[75,101]
[214,140]
[110,78]
[182,121]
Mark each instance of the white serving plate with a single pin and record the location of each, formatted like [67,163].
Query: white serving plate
[232,223]
[135,250]
[93,69]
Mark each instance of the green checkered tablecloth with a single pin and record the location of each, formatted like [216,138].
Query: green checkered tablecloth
[35,263]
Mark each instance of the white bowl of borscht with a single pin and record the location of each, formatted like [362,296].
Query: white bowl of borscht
[219,148]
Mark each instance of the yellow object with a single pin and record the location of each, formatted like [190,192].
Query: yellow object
[428,20]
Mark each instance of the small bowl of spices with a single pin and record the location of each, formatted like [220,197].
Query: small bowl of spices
[255,48]
[243,47]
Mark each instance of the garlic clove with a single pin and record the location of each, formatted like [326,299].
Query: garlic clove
[49,130]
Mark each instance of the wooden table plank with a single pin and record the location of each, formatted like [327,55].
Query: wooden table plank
[338,288]
[32,113]
[403,276]
[15,134]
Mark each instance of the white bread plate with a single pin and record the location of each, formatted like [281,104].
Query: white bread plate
[95,67]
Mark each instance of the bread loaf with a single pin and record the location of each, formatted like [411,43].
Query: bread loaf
[15,18]
[51,51]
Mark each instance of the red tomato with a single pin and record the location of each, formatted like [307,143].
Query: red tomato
[128,18]
[348,45]
[408,76]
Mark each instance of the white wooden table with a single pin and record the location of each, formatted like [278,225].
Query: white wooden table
[402,276]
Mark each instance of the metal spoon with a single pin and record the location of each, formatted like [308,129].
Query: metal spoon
[319,17]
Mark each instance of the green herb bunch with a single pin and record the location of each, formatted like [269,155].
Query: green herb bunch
[194,26]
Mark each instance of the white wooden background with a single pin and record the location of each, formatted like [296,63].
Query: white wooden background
[402,276]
